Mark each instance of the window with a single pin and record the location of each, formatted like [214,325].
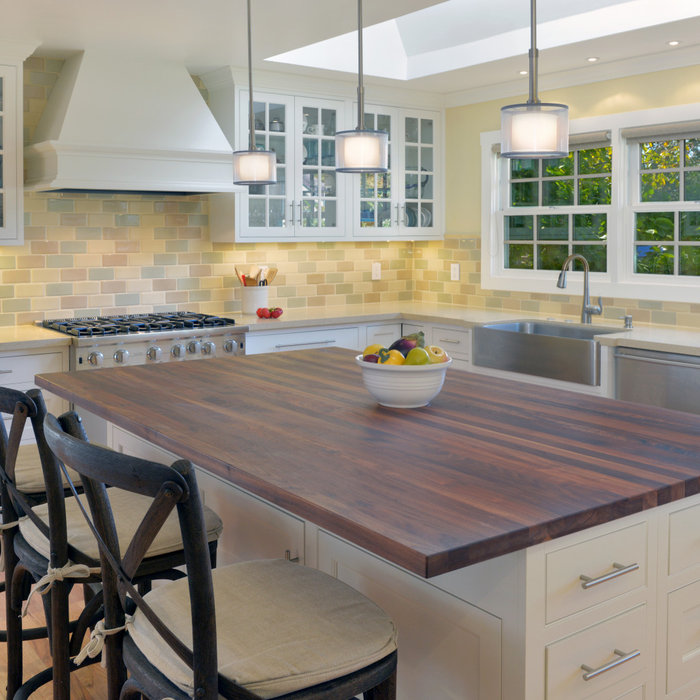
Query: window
[667,211]
[558,206]
[627,198]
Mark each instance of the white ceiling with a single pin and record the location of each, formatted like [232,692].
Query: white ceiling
[465,49]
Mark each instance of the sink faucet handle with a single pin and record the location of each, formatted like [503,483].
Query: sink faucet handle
[595,309]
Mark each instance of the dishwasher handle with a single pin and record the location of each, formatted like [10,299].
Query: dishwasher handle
[659,361]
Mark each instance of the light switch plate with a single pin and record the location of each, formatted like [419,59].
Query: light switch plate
[376,271]
[454,272]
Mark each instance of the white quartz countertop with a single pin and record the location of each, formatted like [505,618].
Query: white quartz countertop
[660,338]
[29,336]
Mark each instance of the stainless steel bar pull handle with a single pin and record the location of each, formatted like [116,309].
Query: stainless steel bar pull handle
[5,371]
[291,214]
[622,657]
[618,570]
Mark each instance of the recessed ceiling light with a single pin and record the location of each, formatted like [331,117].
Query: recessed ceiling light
[592,59]
[674,43]
[522,72]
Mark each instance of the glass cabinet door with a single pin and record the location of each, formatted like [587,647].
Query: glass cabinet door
[267,209]
[419,171]
[318,202]
[376,198]
[11,164]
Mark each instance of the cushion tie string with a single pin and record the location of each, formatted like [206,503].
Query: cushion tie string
[97,640]
[14,523]
[45,583]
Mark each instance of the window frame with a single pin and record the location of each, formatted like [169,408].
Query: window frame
[624,131]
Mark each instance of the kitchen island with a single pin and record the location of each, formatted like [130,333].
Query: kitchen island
[475,486]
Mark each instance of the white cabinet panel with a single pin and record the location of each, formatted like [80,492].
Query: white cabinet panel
[684,540]
[595,558]
[595,648]
[302,339]
[17,371]
[384,333]
[683,630]
[253,528]
[448,649]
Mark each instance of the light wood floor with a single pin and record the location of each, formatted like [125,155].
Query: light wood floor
[86,684]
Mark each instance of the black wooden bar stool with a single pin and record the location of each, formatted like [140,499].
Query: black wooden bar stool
[53,545]
[256,629]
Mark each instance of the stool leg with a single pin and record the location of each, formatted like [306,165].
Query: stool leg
[14,582]
[386,690]
[60,639]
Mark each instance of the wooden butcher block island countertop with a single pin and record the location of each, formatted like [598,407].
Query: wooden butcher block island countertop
[490,467]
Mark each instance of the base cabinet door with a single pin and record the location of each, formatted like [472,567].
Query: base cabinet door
[253,529]
[448,649]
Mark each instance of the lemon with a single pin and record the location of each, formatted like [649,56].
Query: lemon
[417,356]
[436,354]
[372,349]
[390,357]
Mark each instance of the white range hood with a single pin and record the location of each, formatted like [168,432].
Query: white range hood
[127,124]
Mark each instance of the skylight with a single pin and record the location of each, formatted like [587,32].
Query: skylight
[462,33]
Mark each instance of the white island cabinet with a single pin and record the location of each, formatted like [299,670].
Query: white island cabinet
[607,613]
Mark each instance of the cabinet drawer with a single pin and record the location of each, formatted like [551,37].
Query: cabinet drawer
[595,558]
[683,635]
[302,340]
[595,647]
[684,539]
[455,341]
[20,369]
[385,333]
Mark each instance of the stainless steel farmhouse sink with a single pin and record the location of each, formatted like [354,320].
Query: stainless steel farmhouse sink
[565,351]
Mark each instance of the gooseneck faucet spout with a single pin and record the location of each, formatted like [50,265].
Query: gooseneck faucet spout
[587,309]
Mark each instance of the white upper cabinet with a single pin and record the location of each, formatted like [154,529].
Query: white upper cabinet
[405,202]
[306,203]
[310,201]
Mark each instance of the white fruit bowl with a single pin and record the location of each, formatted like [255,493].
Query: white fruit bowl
[403,386]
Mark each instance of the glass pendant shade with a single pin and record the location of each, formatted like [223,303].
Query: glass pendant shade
[362,151]
[535,130]
[254,167]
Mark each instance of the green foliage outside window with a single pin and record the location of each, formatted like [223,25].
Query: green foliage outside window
[583,178]
[669,172]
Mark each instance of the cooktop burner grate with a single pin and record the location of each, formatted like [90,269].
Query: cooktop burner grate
[135,323]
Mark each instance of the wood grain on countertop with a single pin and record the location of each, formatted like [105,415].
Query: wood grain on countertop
[492,466]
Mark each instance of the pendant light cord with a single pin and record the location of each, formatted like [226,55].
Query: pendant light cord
[533,99]
[251,121]
[360,84]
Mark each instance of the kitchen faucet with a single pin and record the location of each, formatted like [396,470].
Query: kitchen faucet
[587,309]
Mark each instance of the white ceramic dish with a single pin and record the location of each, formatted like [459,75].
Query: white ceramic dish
[403,386]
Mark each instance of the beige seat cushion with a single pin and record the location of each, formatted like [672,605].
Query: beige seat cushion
[280,626]
[129,509]
[29,477]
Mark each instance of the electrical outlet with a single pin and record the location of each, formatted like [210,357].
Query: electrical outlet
[376,271]
[454,272]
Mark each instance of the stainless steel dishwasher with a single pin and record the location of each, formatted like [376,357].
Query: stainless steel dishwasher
[662,379]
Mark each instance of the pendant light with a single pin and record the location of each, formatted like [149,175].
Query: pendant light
[253,167]
[361,150]
[534,129]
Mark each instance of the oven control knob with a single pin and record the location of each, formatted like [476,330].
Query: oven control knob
[230,346]
[194,346]
[95,358]
[154,353]
[208,348]
[177,350]
[121,356]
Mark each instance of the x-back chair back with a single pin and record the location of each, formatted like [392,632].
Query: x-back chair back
[170,487]
[370,669]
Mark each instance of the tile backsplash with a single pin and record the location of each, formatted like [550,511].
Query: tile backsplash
[90,254]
